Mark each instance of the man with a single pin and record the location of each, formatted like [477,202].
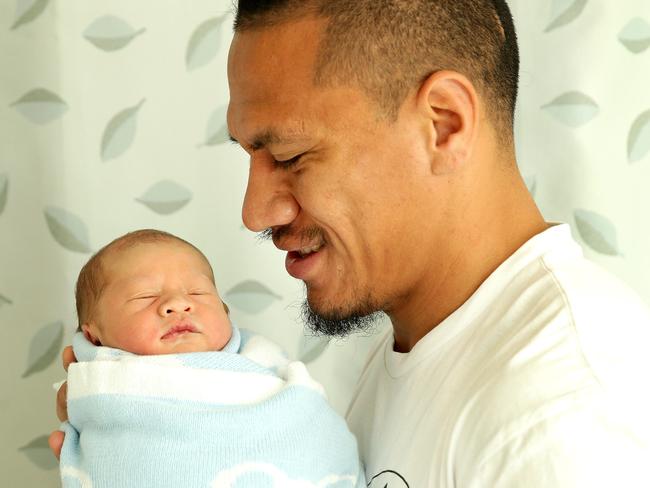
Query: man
[382,160]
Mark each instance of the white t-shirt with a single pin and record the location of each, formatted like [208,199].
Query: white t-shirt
[540,379]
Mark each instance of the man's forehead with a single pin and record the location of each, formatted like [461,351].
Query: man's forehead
[271,80]
[283,36]
[262,59]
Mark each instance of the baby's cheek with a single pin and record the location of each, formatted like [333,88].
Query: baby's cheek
[139,340]
[221,331]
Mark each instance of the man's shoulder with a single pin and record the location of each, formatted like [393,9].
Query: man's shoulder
[572,346]
[553,268]
[585,283]
[611,323]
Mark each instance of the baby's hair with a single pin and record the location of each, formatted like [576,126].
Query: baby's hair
[92,279]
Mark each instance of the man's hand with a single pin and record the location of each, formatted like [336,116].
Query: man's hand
[56,438]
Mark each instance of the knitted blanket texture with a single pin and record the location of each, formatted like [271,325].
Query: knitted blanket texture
[243,417]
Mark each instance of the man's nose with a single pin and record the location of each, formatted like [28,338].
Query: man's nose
[269,201]
[177,303]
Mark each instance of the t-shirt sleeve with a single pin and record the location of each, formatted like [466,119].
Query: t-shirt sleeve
[591,446]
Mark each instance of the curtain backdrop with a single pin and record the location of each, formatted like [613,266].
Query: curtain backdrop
[112,118]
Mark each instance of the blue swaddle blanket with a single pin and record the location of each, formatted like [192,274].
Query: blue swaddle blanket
[241,417]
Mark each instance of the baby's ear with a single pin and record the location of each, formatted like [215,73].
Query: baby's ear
[90,334]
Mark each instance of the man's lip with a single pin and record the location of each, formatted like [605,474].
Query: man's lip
[179,329]
[304,268]
[295,239]
[291,248]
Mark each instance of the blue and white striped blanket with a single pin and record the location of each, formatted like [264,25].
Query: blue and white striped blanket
[241,417]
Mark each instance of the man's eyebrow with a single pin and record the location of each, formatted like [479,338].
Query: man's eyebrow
[268,137]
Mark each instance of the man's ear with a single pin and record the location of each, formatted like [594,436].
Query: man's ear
[90,333]
[450,102]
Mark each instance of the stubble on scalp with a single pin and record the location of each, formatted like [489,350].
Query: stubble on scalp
[388,48]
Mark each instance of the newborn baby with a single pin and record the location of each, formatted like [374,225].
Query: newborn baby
[168,393]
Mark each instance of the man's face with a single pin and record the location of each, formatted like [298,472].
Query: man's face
[159,298]
[346,193]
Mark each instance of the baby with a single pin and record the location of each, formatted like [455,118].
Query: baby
[169,393]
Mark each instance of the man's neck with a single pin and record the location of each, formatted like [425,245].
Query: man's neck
[500,226]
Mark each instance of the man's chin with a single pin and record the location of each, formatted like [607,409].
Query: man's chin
[334,322]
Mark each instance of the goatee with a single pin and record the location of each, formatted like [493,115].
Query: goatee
[337,324]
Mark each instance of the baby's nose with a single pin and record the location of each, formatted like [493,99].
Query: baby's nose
[177,309]
[175,305]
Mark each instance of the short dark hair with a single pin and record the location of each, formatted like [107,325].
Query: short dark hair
[92,277]
[386,47]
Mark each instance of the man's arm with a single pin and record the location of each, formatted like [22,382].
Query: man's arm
[56,438]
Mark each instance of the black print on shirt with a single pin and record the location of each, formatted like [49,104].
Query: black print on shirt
[388,479]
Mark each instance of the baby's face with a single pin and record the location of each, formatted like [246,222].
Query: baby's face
[159,299]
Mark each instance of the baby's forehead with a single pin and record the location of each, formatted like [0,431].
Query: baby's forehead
[146,251]
[121,248]
[129,245]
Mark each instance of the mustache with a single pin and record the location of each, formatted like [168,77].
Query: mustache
[265,235]
[304,235]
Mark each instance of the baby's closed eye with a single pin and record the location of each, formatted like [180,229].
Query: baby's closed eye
[144,296]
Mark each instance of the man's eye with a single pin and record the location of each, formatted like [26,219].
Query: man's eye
[288,163]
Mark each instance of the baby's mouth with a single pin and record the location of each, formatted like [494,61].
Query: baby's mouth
[178,330]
